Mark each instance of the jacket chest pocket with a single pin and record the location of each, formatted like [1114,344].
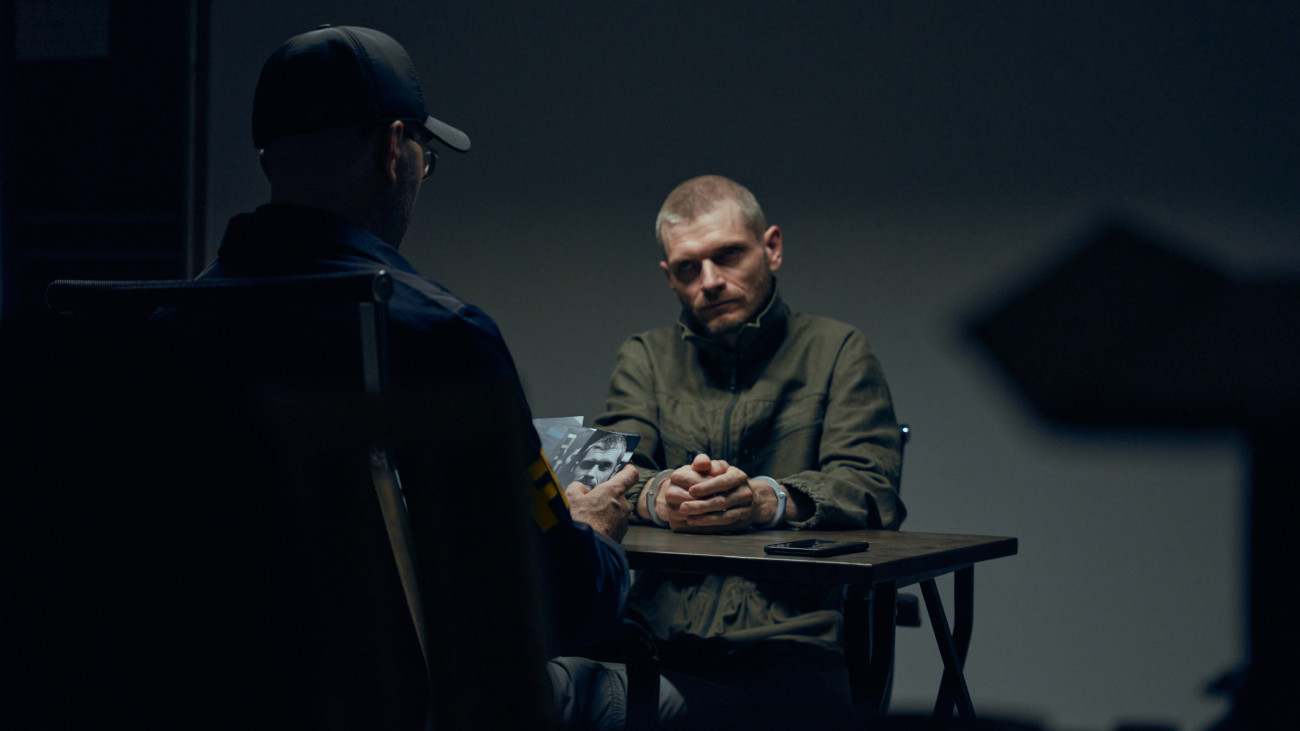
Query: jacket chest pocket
[687,429]
[751,433]
[779,436]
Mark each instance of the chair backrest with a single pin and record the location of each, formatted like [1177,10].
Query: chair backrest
[293,327]
[270,398]
[904,435]
[276,336]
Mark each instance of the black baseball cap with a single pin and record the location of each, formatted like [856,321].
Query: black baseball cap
[341,76]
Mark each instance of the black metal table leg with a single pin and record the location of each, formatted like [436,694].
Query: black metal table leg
[953,687]
[869,644]
[963,621]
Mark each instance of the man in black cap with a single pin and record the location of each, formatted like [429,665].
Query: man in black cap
[346,139]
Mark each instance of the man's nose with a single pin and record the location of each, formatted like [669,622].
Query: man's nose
[710,277]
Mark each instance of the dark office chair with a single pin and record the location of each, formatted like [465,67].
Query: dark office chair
[874,671]
[240,433]
[909,606]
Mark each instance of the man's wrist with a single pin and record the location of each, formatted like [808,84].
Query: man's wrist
[782,495]
[651,491]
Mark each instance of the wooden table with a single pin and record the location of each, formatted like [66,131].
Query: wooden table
[871,581]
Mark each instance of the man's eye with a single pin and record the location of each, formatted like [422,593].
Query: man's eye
[687,270]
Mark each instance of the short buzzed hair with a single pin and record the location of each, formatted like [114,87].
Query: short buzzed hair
[607,441]
[698,196]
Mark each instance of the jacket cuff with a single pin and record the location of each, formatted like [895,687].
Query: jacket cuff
[633,494]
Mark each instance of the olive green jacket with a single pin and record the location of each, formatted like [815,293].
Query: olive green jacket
[801,399]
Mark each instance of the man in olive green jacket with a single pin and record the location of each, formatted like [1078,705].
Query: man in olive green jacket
[751,417]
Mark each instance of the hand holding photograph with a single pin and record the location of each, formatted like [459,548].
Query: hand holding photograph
[583,454]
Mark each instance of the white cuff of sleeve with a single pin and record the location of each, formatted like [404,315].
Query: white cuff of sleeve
[781,496]
[651,488]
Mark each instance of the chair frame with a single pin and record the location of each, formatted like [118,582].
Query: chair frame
[459,668]
[368,291]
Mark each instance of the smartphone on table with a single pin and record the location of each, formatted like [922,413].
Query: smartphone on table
[815,547]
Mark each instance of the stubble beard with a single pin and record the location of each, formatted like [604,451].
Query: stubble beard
[729,329]
[398,208]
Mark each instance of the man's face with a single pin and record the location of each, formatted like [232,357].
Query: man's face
[719,268]
[596,465]
[392,214]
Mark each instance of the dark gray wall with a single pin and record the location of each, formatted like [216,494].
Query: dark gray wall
[920,157]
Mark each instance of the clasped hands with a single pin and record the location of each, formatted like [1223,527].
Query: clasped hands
[712,496]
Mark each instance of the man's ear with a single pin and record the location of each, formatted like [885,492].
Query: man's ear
[772,247]
[668,275]
[388,150]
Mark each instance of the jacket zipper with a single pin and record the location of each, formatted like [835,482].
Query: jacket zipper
[726,415]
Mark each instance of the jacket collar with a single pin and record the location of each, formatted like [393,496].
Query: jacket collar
[755,344]
[283,232]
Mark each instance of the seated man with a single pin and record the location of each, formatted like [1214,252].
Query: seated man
[750,416]
[346,140]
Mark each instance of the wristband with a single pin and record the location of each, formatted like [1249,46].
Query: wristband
[781,497]
[651,488]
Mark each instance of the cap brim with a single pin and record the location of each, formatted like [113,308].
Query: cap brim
[447,134]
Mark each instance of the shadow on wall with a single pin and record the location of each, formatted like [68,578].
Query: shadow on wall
[1125,333]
